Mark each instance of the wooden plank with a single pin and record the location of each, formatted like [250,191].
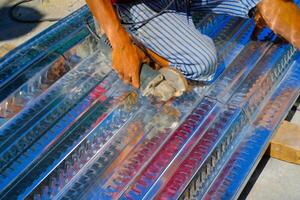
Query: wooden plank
[285,145]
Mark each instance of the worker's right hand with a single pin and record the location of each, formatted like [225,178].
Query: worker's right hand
[127,59]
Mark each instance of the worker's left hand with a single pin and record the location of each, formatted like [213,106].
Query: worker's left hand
[127,59]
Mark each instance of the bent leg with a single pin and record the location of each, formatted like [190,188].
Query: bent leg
[283,17]
[174,37]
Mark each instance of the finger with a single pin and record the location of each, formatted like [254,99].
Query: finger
[127,79]
[146,60]
[121,75]
[136,79]
[158,59]
[117,70]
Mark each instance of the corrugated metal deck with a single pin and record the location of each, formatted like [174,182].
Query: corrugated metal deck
[71,129]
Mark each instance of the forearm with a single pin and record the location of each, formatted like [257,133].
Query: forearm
[109,21]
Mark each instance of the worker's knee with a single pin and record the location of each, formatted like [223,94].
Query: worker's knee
[199,65]
[197,72]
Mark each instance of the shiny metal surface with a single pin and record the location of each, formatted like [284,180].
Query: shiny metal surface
[70,129]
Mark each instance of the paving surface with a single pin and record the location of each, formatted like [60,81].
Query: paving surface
[296,118]
[278,180]
[14,33]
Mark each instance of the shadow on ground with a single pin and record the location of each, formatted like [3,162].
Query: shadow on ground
[10,29]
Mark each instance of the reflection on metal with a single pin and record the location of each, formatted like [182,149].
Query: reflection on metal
[70,129]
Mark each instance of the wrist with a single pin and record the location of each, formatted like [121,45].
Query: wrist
[119,38]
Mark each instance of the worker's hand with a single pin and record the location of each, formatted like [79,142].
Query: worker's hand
[127,59]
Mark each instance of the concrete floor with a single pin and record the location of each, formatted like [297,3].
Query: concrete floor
[15,33]
[272,180]
[278,180]
[296,118]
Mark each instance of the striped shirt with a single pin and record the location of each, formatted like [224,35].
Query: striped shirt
[173,34]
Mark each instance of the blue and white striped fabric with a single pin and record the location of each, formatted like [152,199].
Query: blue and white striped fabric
[174,36]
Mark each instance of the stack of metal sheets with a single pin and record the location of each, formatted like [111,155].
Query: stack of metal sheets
[70,129]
